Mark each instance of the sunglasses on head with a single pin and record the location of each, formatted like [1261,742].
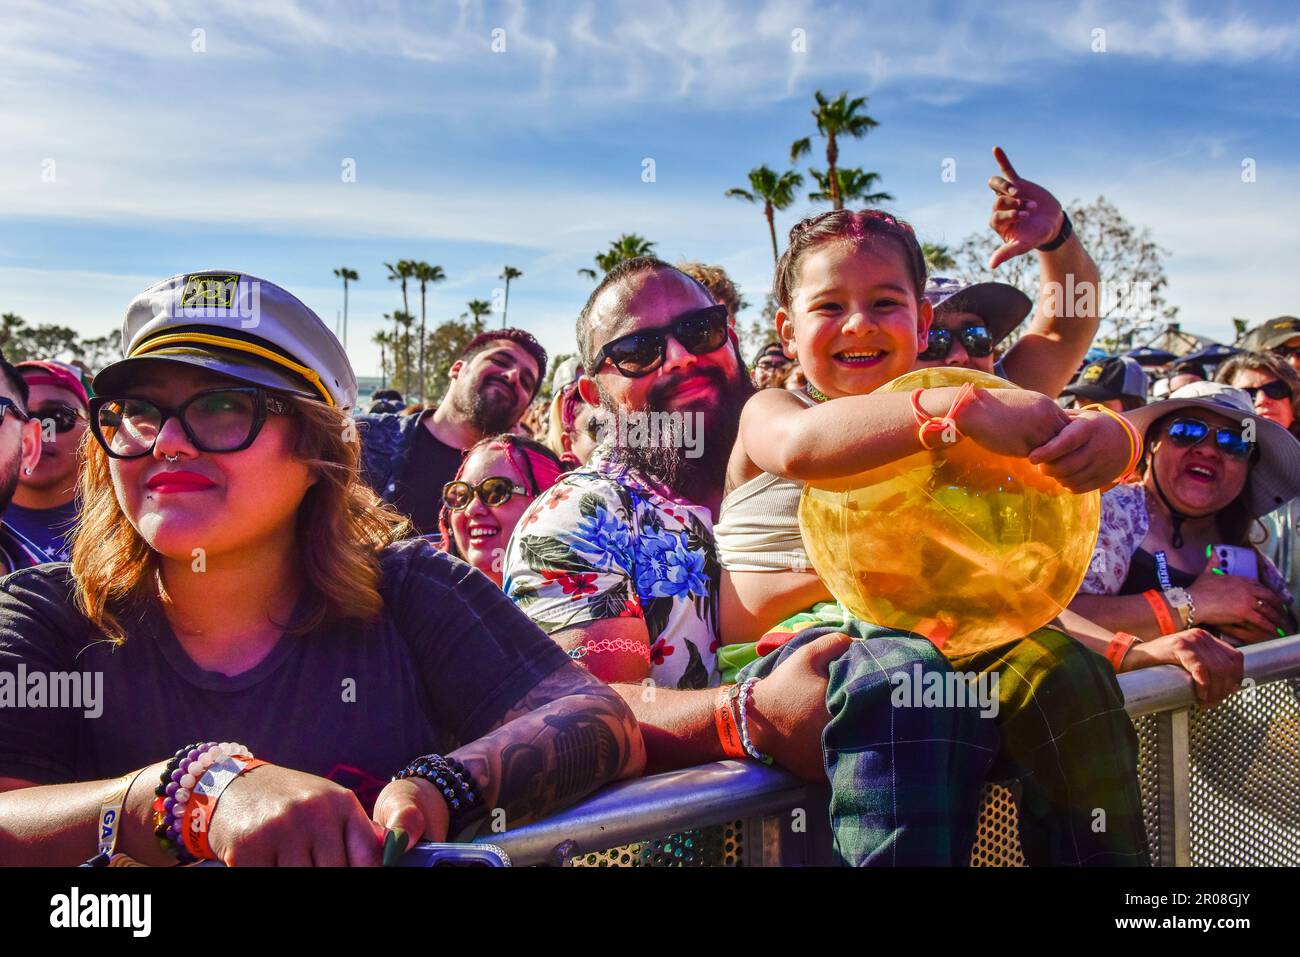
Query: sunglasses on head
[642,352]
[492,491]
[64,417]
[1277,389]
[215,420]
[974,339]
[1186,433]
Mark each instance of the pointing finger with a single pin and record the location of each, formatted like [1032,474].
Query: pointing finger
[1005,164]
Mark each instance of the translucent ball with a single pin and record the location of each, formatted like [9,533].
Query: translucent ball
[968,548]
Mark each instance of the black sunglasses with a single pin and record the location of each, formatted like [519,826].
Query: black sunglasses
[8,405]
[974,339]
[642,352]
[216,420]
[1277,389]
[492,491]
[1286,352]
[1186,433]
[64,417]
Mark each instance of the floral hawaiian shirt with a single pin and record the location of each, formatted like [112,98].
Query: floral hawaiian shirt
[604,542]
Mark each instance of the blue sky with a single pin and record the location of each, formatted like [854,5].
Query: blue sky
[168,160]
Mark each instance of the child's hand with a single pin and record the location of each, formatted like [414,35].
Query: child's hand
[1011,421]
[1088,453]
[1024,214]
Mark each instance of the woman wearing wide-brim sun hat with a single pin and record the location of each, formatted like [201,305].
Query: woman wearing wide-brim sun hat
[267,652]
[1177,548]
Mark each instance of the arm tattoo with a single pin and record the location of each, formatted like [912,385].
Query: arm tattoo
[567,737]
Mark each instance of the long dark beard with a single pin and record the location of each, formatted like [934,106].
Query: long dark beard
[664,460]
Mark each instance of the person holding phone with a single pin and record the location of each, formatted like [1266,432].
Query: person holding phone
[1160,574]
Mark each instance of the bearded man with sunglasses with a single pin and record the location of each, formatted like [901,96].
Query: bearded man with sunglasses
[44,507]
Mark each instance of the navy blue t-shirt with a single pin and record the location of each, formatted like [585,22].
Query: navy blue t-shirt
[46,527]
[448,658]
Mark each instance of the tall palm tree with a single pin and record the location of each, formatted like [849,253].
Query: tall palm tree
[402,322]
[774,190]
[853,185]
[425,274]
[381,339]
[938,258]
[835,118]
[403,272]
[508,273]
[627,246]
[478,308]
[344,273]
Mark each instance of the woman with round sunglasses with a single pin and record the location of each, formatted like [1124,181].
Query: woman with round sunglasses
[498,480]
[1175,558]
[270,655]
[1274,390]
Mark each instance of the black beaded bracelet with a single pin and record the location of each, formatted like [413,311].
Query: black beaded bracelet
[452,780]
[1066,231]
[174,847]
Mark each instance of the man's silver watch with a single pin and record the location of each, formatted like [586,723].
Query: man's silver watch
[1181,601]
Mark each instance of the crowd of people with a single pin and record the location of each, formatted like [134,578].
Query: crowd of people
[356,630]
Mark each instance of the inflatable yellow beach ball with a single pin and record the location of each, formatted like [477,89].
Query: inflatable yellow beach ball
[968,548]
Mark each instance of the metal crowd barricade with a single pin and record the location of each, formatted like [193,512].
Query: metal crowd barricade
[1219,787]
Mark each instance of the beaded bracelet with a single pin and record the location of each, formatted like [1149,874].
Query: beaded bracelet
[638,648]
[744,695]
[453,781]
[176,786]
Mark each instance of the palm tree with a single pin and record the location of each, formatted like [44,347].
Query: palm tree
[835,118]
[344,273]
[425,274]
[853,184]
[402,322]
[938,258]
[508,273]
[628,246]
[478,308]
[402,272]
[774,191]
[381,339]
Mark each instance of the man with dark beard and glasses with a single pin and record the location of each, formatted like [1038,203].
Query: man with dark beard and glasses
[20,451]
[408,459]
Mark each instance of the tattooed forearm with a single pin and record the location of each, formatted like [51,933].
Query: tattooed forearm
[552,750]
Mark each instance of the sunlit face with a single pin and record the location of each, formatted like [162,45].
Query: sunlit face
[957,357]
[498,382]
[482,532]
[1281,411]
[1199,480]
[223,503]
[854,322]
[60,451]
[767,368]
[684,382]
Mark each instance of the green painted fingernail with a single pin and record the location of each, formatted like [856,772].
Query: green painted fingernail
[1281,633]
[394,846]
[1207,550]
[1219,571]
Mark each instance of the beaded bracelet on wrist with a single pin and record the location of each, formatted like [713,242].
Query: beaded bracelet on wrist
[176,786]
[452,780]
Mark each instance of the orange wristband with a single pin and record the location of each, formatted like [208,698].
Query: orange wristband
[1164,620]
[1118,648]
[724,718]
[197,822]
[928,425]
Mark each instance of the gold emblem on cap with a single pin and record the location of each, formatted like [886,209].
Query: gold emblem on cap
[212,292]
[1092,373]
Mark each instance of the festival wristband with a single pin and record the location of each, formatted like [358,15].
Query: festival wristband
[1119,647]
[1160,607]
[724,719]
[197,821]
[110,821]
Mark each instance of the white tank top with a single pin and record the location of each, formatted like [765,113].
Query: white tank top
[758,527]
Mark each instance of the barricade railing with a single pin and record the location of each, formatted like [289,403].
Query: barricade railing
[1219,787]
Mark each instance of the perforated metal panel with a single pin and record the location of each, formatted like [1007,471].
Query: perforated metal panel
[1149,780]
[1245,780]
[997,836]
[719,846]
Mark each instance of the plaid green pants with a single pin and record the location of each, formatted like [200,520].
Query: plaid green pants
[906,781]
